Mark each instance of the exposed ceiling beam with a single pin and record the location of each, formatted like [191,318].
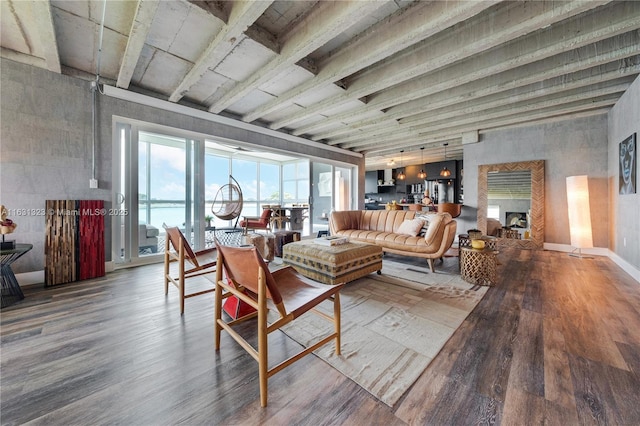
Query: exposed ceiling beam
[493,86]
[455,136]
[547,95]
[326,21]
[475,115]
[241,16]
[484,32]
[263,37]
[474,95]
[213,8]
[421,20]
[142,20]
[433,151]
[528,50]
[632,48]
[44,23]
[508,116]
[22,58]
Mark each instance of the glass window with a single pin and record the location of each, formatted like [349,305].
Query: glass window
[289,171]
[493,212]
[162,179]
[295,182]
[246,173]
[269,188]
[216,174]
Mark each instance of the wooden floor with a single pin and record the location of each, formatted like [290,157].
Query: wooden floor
[556,342]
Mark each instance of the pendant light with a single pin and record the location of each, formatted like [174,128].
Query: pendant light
[401,175]
[422,174]
[445,172]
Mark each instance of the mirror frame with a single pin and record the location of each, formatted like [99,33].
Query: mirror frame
[536,240]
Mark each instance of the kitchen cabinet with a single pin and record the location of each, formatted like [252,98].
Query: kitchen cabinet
[371,182]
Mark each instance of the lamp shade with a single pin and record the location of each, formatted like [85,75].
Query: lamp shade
[579,212]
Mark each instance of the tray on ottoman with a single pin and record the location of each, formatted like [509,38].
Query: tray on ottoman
[333,264]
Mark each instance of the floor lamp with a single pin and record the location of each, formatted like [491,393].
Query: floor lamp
[579,214]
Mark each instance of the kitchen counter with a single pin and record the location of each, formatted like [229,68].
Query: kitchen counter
[414,206]
[374,206]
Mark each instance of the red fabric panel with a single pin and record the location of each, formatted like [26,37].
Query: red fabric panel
[91,239]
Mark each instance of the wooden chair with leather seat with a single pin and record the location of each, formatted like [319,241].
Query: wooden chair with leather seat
[285,291]
[258,222]
[190,264]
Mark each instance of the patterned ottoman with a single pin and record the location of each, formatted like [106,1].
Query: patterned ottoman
[333,264]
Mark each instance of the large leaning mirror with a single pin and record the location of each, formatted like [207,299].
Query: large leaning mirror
[513,195]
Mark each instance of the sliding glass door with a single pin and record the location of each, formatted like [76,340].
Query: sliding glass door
[331,189]
[156,186]
[166,176]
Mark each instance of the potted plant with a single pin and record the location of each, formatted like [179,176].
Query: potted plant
[208,220]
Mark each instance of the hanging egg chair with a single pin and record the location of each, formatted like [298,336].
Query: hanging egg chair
[227,204]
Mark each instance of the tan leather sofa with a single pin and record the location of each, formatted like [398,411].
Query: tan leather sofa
[381,227]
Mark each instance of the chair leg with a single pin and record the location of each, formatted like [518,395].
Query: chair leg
[167,261]
[218,304]
[336,320]
[181,278]
[430,262]
[182,296]
[263,346]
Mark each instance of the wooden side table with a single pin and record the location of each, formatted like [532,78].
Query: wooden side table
[479,266]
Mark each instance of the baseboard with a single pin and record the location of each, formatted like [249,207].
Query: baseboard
[595,251]
[628,268]
[30,278]
[599,251]
[37,277]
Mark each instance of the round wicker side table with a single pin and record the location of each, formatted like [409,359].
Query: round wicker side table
[479,266]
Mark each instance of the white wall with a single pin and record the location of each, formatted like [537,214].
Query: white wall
[624,120]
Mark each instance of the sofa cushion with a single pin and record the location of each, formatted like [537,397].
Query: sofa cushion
[411,227]
[152,231]
[436,227]
[426,218]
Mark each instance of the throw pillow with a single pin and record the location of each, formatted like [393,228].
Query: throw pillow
[410,227]
[426,218]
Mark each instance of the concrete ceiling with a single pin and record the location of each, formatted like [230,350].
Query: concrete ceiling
[374,77]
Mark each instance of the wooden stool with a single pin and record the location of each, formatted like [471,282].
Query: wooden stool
[479,266]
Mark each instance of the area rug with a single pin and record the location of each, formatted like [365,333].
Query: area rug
[393,325]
